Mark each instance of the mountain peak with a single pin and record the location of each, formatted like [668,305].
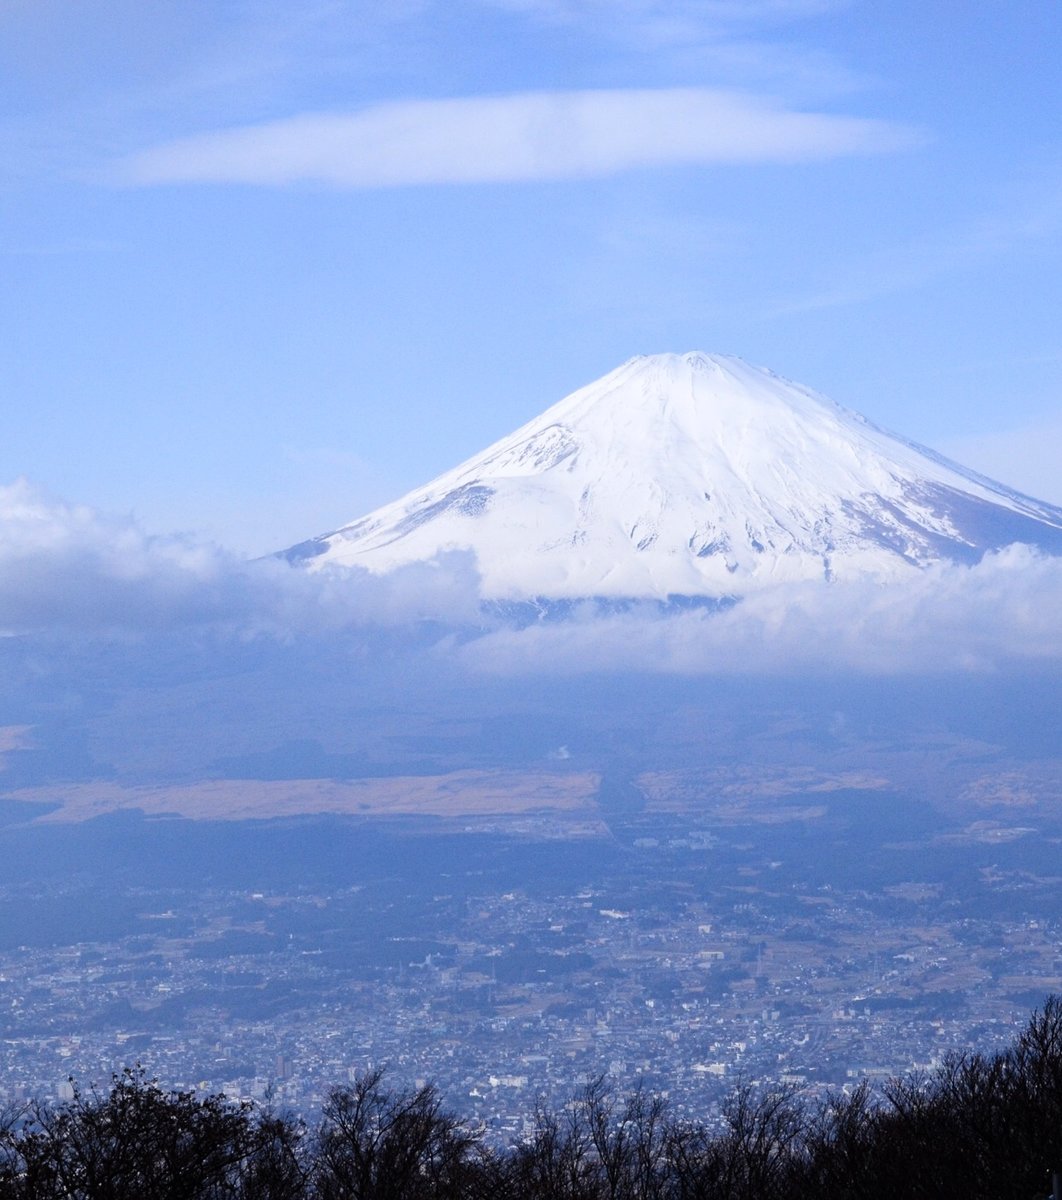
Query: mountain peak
[692,475]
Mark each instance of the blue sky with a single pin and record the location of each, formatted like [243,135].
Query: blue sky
[268,265]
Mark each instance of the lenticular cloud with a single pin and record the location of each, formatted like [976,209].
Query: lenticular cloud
[521,137]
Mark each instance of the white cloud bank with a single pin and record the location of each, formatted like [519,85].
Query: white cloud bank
[67,570]
[528,136]
[999,615]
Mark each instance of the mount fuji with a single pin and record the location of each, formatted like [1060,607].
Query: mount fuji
[692,475]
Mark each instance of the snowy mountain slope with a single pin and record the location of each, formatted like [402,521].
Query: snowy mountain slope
[692,475]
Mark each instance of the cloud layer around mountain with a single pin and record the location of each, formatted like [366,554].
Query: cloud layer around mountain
[1000,614]
[68,571]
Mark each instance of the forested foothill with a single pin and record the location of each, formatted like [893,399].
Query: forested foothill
[979,1126]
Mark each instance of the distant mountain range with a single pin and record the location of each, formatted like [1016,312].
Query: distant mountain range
[692,475]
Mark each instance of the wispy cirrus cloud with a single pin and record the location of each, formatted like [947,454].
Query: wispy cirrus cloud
[1030,218]
[678,18]
[514,138]
[736,42]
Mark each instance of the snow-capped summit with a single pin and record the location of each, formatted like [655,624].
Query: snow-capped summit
[692,475]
